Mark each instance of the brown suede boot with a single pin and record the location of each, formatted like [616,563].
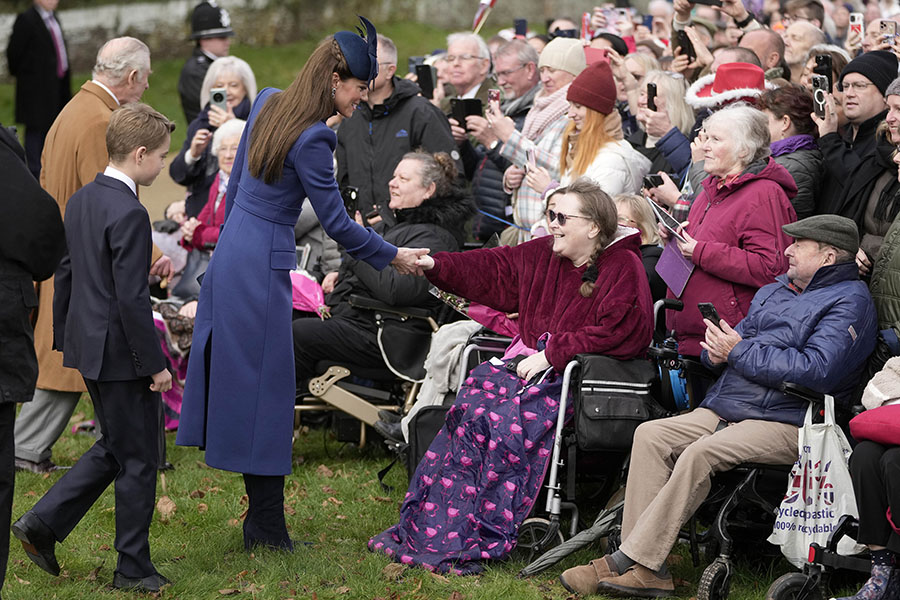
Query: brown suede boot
[638,582]
[585,578]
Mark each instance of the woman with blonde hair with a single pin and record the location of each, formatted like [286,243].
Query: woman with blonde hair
[239,395]
[634,212]
[670,111]
[592,143]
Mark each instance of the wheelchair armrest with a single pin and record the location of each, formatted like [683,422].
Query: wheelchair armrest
[804,393]
[363,303]
[486,340]
[697,368]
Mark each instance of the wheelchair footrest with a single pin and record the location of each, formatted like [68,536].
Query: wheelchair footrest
[324,388]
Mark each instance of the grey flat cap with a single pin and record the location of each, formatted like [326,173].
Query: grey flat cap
[839,232]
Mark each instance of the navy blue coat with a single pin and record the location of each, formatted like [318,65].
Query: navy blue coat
[240,388]
[819,339]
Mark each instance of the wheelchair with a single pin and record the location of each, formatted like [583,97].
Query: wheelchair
[344,387]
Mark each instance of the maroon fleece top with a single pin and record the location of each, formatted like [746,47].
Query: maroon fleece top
[617,320]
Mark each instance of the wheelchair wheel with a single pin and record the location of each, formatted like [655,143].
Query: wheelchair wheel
[715,582]
[789,586]
[531,532]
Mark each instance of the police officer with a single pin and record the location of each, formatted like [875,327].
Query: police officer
[211,28]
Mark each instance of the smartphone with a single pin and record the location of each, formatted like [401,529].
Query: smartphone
[823,68]
[412,61]
[651,96]
[888,29]
[219,97]
[425,78]
[820,89]
[349,194]
[684,42]
[460,108]
[856,23]
[708,311]
[493,95]
[709,2]
[520,26]
[529,159]
[652,181]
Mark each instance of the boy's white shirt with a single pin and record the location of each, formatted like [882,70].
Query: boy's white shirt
[115,173]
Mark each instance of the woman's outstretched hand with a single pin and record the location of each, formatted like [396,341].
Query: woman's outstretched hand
[407,260]
[425,263]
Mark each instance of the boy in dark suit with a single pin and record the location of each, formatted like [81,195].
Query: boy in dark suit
[104,326]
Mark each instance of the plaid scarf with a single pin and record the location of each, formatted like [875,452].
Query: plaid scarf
[546,109]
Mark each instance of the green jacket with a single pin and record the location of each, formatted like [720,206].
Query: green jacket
[885,289]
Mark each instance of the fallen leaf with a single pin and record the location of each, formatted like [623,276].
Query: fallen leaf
[335,501]
[323,536]
[342,590]
[440,578]
[202,508]
[324,471]
[22,581]
[213,490]
[166,507]
[456,596]
[104,547]
[381,499]
[393,571]
[92,576]
[30,494]
[327,489]
[244,501]
[234,522]
[340,517]
[229,592]
[197,494]
[202,465]
[289,510]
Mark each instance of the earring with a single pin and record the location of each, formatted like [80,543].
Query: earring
[333,92]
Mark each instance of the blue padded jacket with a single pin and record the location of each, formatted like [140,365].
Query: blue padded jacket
[819,339]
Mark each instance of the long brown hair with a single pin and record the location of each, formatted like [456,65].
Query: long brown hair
[598,207]
[287,114]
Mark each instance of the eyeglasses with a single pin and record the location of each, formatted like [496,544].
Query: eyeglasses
[857,86]
[561,218]
[451,58]
[508,72]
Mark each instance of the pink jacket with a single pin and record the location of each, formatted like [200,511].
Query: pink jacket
[207,233]
[740,247]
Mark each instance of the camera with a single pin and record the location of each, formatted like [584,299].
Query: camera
[349,194]
[219,97]
[820,89]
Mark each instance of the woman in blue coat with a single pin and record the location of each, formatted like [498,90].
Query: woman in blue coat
[239,395]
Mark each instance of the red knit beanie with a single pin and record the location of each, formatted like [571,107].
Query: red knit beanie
[594,88]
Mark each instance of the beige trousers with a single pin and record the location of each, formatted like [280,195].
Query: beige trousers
[672,463]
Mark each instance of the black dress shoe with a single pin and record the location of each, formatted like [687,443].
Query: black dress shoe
[390,431]
[389,416]
[38,541]
[150,583]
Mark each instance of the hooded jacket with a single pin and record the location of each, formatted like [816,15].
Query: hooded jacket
[740,246]
[819,339]
[371,143]
[618,168]
[438,224]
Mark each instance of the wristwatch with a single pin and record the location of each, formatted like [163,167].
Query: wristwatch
[494,144]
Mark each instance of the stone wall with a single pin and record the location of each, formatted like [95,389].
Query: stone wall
[164,25]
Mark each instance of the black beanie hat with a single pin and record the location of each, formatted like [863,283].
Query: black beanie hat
[878,66]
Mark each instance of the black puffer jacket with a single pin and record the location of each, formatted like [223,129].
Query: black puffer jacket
[32,241]
[807,167]
[374,139]
[843,155]
[438,224]
[859,186]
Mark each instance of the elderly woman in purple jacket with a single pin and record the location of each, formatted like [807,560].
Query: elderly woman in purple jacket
[239,394]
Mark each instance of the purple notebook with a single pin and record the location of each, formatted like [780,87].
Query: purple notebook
[674,268]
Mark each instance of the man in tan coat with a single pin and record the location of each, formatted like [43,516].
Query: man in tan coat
[74,152]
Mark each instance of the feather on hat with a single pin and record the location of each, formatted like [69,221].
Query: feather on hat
[360,50]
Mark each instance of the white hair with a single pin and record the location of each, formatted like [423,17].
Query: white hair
[750,129]
[228,64]
[229,129]
[120,56]
[472,38]
[387,50]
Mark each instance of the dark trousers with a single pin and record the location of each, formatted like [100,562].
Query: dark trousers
[875,470]
[264,525]
[339,339]
[126,455]
[7,480]
[34,146]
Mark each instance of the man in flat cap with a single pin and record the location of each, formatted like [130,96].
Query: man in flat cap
[814,326]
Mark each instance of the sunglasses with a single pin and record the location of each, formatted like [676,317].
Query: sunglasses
[561,218]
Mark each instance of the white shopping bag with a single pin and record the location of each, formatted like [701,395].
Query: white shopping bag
[819,491]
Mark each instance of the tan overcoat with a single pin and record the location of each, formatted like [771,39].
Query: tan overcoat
[74,152]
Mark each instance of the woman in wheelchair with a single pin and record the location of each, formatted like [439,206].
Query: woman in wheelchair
[581,290]
[431,212]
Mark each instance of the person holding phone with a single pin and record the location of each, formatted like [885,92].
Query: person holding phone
[195,166]
[240,388]
[593,144]
[671,111]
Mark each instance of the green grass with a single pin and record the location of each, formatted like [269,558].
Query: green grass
[333,500]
